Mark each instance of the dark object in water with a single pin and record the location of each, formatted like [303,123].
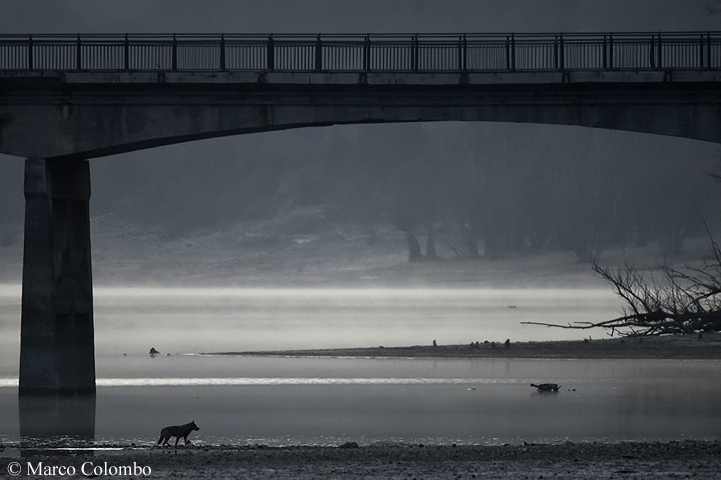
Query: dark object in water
[349,445]
[546,387]
[153,352]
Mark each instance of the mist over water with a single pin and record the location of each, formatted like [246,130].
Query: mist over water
[210,320]
[248,319]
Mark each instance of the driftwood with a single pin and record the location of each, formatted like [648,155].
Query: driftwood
[674,301]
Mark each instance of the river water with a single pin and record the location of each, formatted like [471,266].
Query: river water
[285,400]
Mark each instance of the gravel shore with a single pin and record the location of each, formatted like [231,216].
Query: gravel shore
[706,346]
[688,459]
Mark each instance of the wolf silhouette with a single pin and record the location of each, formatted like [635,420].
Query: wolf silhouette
[177,432]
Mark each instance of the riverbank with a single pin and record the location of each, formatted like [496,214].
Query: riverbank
[702,347]
[657,460]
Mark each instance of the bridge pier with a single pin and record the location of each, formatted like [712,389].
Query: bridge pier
[57,352]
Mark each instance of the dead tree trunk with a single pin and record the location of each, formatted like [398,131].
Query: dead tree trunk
[414,248]
[430,243]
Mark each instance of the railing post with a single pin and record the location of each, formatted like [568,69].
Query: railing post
[30,52]
[79,54]
[659,54]
[508,53]
[462,50]
[367,54]
[610,51]
[175,54]
[318,54]
[512,54]
[708,50]
[222,53]
[604,54]
[127,53]
[414,54]
[700,51]
[270,54]
[652,56]
[562,55]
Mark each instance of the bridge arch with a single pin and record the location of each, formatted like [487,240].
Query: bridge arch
[94,120]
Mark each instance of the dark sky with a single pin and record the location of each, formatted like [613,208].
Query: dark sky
[355,16]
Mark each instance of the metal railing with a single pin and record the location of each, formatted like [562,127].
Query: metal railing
[366,53]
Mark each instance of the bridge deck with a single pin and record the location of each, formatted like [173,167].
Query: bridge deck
[363,78]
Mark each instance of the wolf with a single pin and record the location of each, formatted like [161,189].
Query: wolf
[177,432]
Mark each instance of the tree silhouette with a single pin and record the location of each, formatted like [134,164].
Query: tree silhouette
[675,301]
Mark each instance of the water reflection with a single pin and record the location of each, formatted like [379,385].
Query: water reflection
[49,423]
[328,401]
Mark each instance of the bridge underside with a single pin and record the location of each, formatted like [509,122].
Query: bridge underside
[89,115]
[58,121]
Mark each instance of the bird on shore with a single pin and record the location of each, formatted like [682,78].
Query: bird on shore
[546,387]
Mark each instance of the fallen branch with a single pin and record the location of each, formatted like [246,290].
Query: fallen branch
[678,301]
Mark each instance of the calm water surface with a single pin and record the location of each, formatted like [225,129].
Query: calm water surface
[278,401]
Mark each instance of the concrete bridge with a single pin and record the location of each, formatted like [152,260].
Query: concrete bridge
[66,99]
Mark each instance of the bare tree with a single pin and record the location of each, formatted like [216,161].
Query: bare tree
[676,301]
